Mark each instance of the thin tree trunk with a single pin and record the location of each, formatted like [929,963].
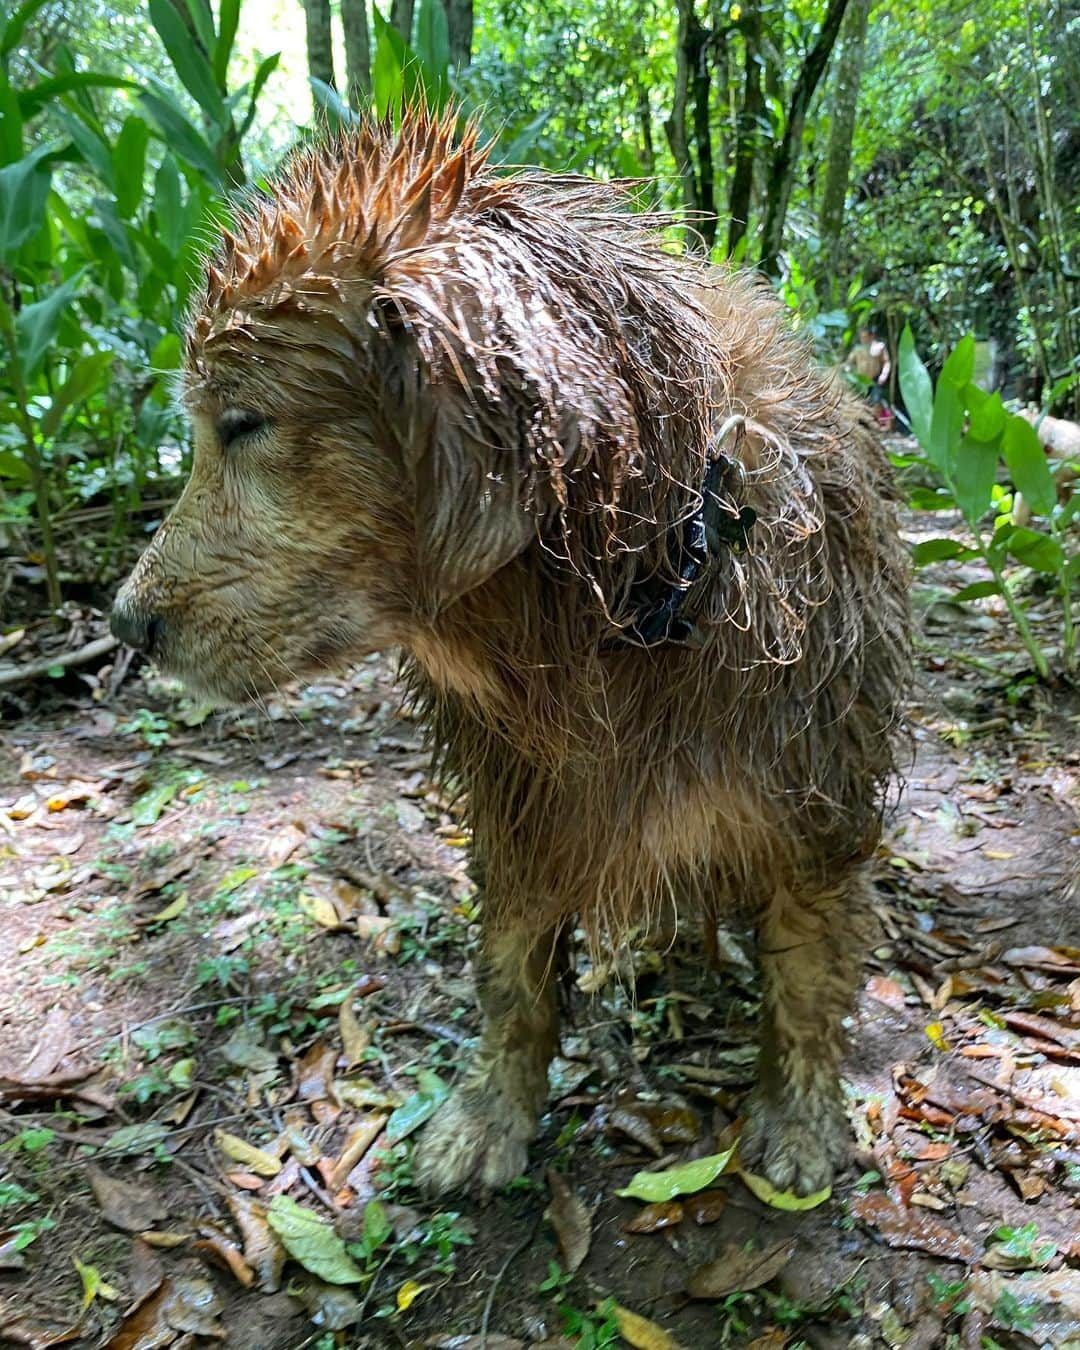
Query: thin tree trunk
[845,111]
[354,20]
[320,48]
[401,18]
[459,21]
[782,170]
[675,126]
[698,55]
[747,129]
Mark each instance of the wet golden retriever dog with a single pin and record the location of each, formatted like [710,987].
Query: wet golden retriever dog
[640,554]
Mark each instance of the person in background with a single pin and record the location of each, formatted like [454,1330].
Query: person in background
[869,359]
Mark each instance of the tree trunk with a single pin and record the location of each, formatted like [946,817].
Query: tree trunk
[675,126]
[354,21]
[747,130]
[320,49]
[698,56]
[401,16]
[838,159]
[782,170]
[459,22]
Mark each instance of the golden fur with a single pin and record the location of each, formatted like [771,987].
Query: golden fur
[489,404]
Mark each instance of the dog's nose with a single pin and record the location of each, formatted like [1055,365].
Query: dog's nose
[136,627]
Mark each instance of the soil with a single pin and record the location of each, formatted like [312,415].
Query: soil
[188,900]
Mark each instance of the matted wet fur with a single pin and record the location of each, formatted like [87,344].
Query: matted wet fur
[467,414]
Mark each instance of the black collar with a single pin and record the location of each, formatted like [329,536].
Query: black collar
[719,524]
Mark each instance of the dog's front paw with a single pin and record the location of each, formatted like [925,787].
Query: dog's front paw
[476,1141]
[796,1146]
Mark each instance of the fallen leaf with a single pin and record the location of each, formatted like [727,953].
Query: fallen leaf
[653,1218]
[93,1285]
[705,1207]
[569,1217]
[183,1304]
[172,910]
[163,1240]
[642,1334]
[125,1204]
[263,1251]
[357,1143]
[355,1038]
[767,1193]
[886,991]
[683,1179]
[408,1294]
[239,1150]
[904,1228]
[320,909]
[312,1242]
[56,1039]
[315,1073]
[415,1110]
[740,1271]
[330,1306]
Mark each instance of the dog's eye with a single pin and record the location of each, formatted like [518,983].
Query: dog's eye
[236,424]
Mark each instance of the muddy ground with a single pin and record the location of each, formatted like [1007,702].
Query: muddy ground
[234,966]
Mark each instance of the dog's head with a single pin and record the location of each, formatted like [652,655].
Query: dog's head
[392,399]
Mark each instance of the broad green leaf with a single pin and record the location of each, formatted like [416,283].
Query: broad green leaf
[13,467]
[181,136]
[189,60]
[83,379]
[916,388]
[433,48]
[388,67]
[89,140]
[228,21]
[312,1242]
[129,165]
[418,1108]
[937,550]
[788,1200]
[1035,550]
[24,190]
[931,499]
[987,414]
[338,112]
[1028,467]
[151,804]
[683,1179]
[11,123]
[167,203]
[977,590]
[202,16]
[946,427]
[959,364]
[36,325]
[974,467]
[33,99]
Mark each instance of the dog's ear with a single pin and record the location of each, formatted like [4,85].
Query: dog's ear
[475,509]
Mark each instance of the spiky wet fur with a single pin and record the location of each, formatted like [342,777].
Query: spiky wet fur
[511,388]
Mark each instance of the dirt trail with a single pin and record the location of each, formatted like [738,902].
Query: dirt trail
[234,930]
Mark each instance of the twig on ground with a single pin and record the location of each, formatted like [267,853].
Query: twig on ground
[35,669]
[489,1302]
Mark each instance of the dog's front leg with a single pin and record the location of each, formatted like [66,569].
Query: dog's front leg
[480,1137]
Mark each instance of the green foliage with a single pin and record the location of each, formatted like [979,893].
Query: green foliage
[107,186]
[969,440]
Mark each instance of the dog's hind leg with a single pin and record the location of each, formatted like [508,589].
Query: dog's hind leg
[480,1137]
[810,947]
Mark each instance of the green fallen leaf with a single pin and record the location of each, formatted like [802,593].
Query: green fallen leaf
[151,804]
[684,1179]
[769,1195]
[93,1285]
[418,1108]
[312,1242]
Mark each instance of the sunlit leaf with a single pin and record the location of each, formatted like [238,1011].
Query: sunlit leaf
[312,1242]
[683,1179]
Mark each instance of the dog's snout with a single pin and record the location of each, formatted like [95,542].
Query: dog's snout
[136,627]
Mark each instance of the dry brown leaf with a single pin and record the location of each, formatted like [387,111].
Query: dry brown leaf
[315,1073]
[886,991]
[570,1218]
[239,1150]
[56,1039]
[263,1251]
[125,1204]
[178,1305]
[224,1253]
[636,1126]
[739,1271]
[357,1143]
[355,1038]
[653,1218]
[642,1334]
[284,844]
[705,1206]
[903,1228]
[164,1240]
[319,908]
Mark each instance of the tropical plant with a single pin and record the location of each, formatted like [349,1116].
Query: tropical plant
[968,440]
